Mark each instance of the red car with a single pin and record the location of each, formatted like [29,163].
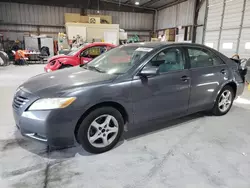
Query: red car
[82,55]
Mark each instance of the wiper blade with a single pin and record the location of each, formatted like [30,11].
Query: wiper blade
[83,65]
[96,69]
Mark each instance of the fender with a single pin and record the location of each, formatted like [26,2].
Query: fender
[127,106]
[221,87]
[89,106]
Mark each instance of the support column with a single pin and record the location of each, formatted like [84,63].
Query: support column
[197,6]
[205,22]
[241,25]
[221,24]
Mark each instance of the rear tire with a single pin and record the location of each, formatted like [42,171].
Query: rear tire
[101,130]
[224,101]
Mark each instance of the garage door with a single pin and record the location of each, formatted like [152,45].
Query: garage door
[228,27]
[231,27]
[244,47]
[214,17]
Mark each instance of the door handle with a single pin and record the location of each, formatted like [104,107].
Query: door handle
[185,78]
[223,71]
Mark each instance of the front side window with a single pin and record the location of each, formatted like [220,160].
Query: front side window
[93,52]
[202,58]
[168,60]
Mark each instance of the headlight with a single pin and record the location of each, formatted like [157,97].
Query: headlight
[51,103]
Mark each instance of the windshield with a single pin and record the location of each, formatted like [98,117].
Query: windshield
[75,50]
[118,60]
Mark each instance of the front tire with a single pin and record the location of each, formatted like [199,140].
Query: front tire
[101,130]
[224,101]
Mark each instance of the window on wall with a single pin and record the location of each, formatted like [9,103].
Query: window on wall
[210,44]
[247,46]
[227,45]
[202,58]
[168,60]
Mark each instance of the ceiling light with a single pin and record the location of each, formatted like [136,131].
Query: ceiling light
[137,3]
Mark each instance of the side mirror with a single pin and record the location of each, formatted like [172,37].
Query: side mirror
[149,71]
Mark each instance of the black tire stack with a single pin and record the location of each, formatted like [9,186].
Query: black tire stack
[4,59]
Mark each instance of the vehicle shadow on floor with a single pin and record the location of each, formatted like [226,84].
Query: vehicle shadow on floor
[42,150]
[162,125]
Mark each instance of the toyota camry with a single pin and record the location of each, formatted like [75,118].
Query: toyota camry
[130,85]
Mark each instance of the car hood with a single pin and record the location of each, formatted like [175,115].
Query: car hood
[61,81]
[58,57]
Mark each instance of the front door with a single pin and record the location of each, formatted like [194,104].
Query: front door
[208,73]
[165,95]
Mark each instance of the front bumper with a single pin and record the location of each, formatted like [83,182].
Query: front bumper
[32,124]
[51,127]
[52,67]
[54,127]
[47,68]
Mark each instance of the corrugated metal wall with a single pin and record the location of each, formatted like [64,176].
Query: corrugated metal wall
[34,14]
[228,26]
[51,19]
[167,18]
[213,25]
[178,15]
[129,20]
[244,49]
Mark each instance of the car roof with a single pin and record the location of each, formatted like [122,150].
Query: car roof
[163,44]
[100,44]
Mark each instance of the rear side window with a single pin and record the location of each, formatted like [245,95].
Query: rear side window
[202,58]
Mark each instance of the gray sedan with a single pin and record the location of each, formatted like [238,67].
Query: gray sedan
[132,85]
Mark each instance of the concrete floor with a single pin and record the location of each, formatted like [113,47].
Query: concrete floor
[195,151]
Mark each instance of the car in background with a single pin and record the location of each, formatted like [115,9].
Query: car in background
[134,85]
[81,55]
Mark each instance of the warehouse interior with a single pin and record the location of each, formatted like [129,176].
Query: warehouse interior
[198,150]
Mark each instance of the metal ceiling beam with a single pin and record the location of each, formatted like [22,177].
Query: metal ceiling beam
[127,2]
[149,3]
[170,4]
[87,4]
[123,4]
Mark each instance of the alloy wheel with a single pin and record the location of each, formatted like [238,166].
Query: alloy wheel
[103,131]
[225,101]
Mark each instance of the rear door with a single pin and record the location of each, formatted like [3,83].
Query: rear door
[208,73]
